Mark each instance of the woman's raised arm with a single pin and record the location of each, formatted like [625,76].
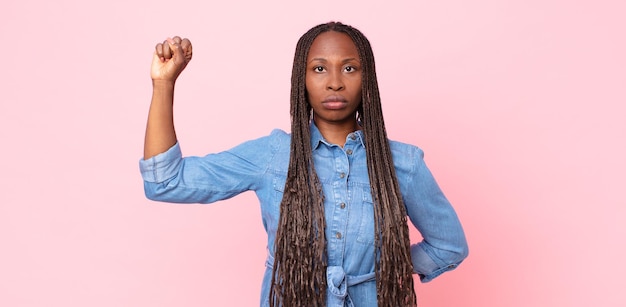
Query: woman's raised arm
[169,60]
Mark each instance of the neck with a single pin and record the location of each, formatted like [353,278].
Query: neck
[336,133]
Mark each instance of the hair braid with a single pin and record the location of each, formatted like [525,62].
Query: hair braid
[394,269]
[299,277]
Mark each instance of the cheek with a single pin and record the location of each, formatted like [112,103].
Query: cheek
[312,87]
[358,81]
[356,85]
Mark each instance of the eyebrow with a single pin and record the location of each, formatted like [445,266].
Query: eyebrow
[323,60]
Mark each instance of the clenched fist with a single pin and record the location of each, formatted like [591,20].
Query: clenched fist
[170,59]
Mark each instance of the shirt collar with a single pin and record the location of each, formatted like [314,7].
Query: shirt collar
[317,138]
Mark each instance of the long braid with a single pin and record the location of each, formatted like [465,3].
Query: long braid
[394,269]
[299,276]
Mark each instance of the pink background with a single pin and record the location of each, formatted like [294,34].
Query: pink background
[519,106]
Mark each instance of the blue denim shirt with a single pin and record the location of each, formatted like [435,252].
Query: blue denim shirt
[261,166]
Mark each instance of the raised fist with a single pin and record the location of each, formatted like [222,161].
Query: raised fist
[170,58]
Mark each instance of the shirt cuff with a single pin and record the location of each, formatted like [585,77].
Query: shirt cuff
[163,166]
[424,265]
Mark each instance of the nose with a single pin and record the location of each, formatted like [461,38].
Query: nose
[335,81]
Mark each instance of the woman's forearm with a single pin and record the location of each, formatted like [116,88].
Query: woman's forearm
[160,132]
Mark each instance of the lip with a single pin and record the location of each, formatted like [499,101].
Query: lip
[334,102]
[335,98]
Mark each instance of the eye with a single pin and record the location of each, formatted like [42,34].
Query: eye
[318,69]
[350,69]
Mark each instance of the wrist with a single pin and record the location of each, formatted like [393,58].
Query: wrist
[163,84]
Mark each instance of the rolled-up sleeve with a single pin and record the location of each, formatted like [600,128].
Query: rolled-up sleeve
[444,245]
[162,166]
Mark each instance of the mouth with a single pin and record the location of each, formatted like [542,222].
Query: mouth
[335,98]
[335,102]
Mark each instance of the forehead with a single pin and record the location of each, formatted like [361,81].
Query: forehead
[331,43]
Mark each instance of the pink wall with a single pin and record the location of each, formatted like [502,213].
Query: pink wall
[519,106]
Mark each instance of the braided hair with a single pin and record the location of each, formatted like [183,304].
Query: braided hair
[299,276]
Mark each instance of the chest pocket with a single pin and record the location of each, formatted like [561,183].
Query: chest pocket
[272,213]
[366,212]
[279,187]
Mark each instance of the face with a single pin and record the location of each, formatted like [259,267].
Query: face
[333,79]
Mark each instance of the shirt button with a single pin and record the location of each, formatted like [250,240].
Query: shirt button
[342,175]
[352,136]
[342,205]
[349,151]
[338,235]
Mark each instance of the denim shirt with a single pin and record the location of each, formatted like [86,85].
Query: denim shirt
[261,166]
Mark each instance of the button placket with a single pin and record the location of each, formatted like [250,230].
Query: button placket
[338,221]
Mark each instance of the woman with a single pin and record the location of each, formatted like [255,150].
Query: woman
[334,194]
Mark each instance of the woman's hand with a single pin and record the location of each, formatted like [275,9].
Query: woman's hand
[170,59]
